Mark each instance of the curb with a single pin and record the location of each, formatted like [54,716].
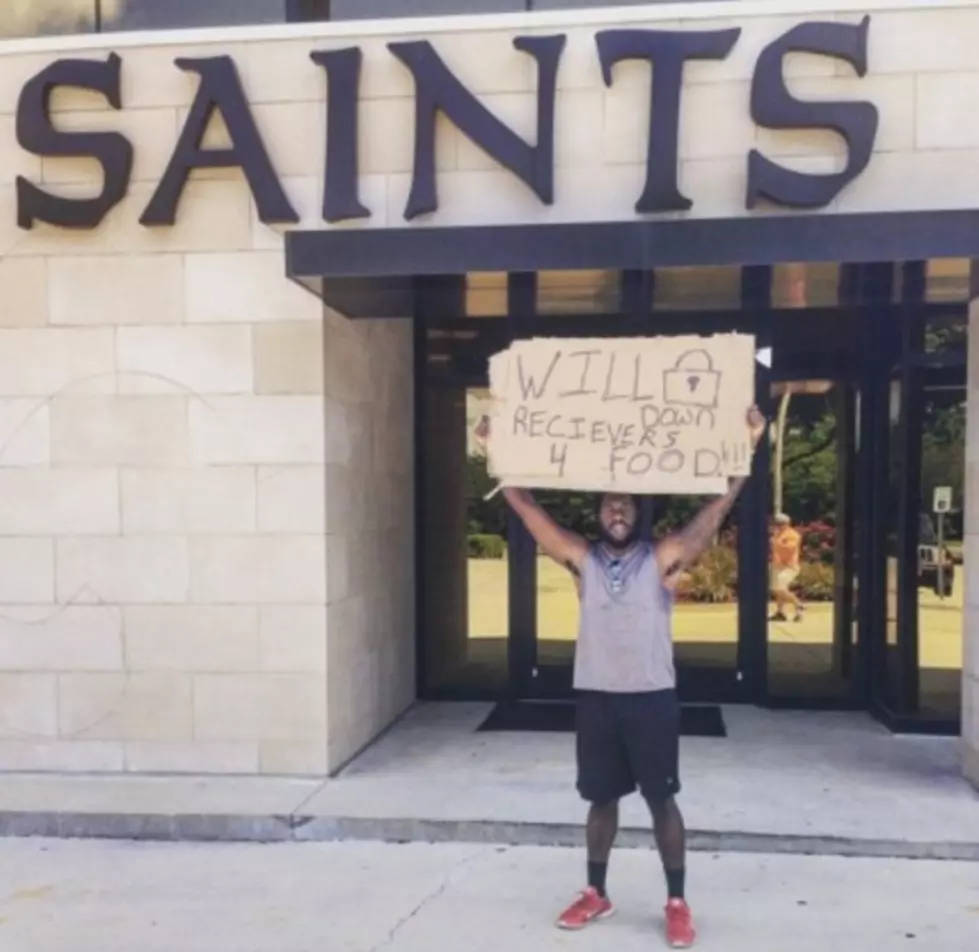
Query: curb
[230,828]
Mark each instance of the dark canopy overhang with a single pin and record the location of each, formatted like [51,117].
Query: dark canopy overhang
[370,272]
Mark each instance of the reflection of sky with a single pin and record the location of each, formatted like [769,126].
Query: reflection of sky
[37,17]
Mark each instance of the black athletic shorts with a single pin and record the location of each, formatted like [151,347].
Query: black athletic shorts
[628,741]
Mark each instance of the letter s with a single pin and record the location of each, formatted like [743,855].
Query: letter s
[36,134]
[774,107]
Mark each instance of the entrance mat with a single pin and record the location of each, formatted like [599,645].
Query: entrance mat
[558,717]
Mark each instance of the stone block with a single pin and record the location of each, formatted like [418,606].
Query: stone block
[25,432]
[191,638]
[289,358]
[258,569]
[59,501]
[23,292]
[944,107]
[26,571]
[153,132]
[201,500]
[192,757]
[61,756]
[42,362]
[292,638]
[918,41]
[130,430]
[116,289]
[942,179]
[338,558]
[28,706]
[60,638]
[244,288]
[125,706]
[129,570]
[292,499]
[185,360]
[151,79]
[272,430]
[249,707]
[288,758]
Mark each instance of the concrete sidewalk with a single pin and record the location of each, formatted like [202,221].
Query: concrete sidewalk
[780,782]
[362,897]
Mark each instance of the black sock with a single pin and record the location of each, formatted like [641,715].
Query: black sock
[675,879]
[596,876]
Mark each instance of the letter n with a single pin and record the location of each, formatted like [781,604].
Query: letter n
[219,91]
[773,106]
[437,89]
[37,135]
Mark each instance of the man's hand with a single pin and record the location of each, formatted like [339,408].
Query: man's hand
[756,426]
[482,432]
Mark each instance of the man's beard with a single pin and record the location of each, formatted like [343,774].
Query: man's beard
[612,542]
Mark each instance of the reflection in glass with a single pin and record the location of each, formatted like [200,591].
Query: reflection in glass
[465,594]
[940,548]
[809,637]
[174,14]
[806,285]
[578,292]
[41,17]
[947,280]
[711,289]
[486,294]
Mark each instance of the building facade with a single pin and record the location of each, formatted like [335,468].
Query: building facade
[252,271]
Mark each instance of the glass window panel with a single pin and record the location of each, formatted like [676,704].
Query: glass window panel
[465,565]
[174,14]
[578,292]
[486,294]
[947,336]
[809,639]
[941,553]
[697,289]
[40,17]
[368,9]
[947,279]
[805,285]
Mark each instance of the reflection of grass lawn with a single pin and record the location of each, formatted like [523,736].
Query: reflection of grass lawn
[557,615]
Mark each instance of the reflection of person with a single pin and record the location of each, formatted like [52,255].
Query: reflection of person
[786,552]
[628,717]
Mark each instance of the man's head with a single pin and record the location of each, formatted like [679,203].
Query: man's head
[781,520]
[618,520]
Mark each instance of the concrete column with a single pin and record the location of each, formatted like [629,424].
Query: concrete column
[970,633]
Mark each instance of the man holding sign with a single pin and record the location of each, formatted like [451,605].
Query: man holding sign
[628,718]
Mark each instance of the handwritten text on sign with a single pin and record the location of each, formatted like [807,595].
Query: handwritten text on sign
[645,415]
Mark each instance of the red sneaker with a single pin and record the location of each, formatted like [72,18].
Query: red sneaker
[587,908]
[680,933]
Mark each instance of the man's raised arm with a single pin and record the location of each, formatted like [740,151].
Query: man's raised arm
[565,547]
[679,551]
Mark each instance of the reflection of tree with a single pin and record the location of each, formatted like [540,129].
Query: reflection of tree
[943,450]
[36,17]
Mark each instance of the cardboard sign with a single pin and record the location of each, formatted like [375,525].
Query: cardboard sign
[639,415]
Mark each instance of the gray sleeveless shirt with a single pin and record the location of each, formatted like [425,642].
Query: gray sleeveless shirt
[625,638]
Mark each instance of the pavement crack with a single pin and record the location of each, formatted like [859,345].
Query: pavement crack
[448,879]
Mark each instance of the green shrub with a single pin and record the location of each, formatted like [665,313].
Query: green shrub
[486,547]
[712,578]
[816,582]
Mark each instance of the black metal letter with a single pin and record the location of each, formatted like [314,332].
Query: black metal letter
[219,89]
[774,107]
[437,88]
[37,135]
[667,51]
[341,198]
